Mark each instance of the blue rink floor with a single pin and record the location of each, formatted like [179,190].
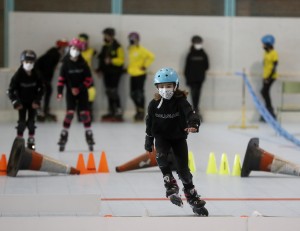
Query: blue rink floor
[141,192]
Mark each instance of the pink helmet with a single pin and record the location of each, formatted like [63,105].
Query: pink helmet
[75,42]
[134,36]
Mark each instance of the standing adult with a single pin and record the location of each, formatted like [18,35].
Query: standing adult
[270,63]
[46,65]
[140,59]
[196,65]
[111,60]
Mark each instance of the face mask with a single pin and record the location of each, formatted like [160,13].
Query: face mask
[28,66]
[74,52]
[166,93]
[198,46]
[106,40]
[131,42]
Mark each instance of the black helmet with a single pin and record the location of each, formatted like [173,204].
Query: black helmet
[197,39]
[109,31]
[84,36]
[28,55]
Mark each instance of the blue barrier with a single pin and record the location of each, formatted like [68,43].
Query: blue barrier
[266,114]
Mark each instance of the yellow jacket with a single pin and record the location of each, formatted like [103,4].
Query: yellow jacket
[269,59]
[139,59]
[88,56]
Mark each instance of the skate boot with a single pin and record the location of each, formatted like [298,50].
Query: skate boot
[195,202]
[63,140]
[50,117]
[139,116]
[172,190]
[40,117]
[31,143]
[109,117]
[89,139]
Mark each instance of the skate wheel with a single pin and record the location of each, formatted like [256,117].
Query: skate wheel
[176,200]
[91,148]
[201,211]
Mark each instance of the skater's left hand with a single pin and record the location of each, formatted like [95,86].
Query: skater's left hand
[35,105]
[191,129]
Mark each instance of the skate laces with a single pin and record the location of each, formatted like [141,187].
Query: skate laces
[64,133]
[171,185]
[192,196]
[30,140]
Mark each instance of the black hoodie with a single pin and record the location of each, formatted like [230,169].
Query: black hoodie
[25,88]
[196,65]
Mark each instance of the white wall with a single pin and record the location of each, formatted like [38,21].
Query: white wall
[232,44]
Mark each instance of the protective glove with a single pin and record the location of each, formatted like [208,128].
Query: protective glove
[17,105]
[149,143]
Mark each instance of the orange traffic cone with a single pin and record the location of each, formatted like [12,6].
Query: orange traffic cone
[81,165]
[103,166]
[258,159]
[91,167]
[145,160]
[3,165]
[22,158]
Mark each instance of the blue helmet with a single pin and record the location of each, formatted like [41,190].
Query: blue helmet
[166,75]
[268,39]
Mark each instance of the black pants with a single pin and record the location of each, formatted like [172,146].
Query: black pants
[196,88]
[111,83]
[79,102]
[47,97]
[265,92]
[29,122]
[137,90]
[164,148]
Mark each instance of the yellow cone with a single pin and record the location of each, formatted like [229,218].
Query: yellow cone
[224,166]
[192,165]
[212,164]
[236,171]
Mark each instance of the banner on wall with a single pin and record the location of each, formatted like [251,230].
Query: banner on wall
[265,113]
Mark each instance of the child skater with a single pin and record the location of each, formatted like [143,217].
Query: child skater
[76,75]
[169,120]
[25,92]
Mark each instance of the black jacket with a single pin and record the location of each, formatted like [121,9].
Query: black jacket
[24,88]
[196,65]
[74,75]
[170,120]
[109,51]
[47,63]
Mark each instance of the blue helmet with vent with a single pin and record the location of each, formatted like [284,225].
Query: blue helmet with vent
[166,75]
[268,39]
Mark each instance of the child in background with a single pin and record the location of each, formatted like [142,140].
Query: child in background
[25,92]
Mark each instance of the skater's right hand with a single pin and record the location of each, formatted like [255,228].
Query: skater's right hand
[75,91]
[17,105]
[149,141]
[59,97]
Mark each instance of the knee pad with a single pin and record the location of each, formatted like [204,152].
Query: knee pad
[185,175]
[112,93]
[137,95]
[69,116]
[85,116]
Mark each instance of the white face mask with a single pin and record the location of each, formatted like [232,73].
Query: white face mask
[166,93]
[28,66]
[198,46]
[74,52]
